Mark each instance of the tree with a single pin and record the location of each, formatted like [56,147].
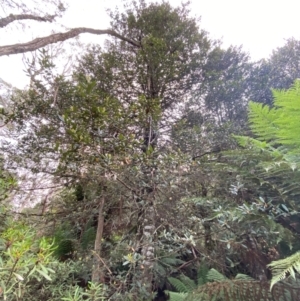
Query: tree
[103,125]
[151,79]
[224,93]
[277,72]
[217,107]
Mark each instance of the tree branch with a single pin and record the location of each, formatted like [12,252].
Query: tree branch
[217,149]
[11,18]
[59,37]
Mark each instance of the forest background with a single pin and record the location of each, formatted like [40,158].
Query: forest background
[143,166]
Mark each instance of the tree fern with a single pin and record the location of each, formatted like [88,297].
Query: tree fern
[245,290]
[221,288]
[241,288]
[280,127]
[211,286]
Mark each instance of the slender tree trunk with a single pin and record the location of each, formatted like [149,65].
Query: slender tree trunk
[97,275]
[146,239]
[256,260]
[147,229]
[147,251]
[147,211]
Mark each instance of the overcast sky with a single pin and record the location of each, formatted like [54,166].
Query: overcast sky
[259,25]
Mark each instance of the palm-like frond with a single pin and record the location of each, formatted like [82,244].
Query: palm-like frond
[183,285]
[280,124]
[263,121]
[174,296]
[285,267]
[214,275]
[202,274]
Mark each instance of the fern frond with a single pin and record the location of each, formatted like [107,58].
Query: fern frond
[173,296]
[236,290]
[214,275]
[245,141]
[202,274]
[188,282]
[263,121]
[283,268]
[283,98]
[280,124]
[243,277]
[179,285]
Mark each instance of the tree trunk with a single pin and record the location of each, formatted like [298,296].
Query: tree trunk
[97,275]
[147,229]
[147,251]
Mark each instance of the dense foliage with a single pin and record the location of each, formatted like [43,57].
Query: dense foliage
[150,183]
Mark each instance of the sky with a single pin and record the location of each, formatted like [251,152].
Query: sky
[259,25]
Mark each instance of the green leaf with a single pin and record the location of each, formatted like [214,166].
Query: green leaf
[44,274]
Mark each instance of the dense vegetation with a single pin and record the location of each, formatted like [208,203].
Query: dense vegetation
[148,173]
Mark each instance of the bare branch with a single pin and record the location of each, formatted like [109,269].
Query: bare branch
[59,37]
[11,18]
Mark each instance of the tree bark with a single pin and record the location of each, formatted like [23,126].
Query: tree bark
[11,18]
[60,37]
[97,275]
[148,235]
[148,247]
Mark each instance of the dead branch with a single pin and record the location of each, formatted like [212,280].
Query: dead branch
[11,18]
[59,37]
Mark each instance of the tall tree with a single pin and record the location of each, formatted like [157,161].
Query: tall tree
[218,106]
[277,72]
[154,77]
[225,92]
[113,112]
